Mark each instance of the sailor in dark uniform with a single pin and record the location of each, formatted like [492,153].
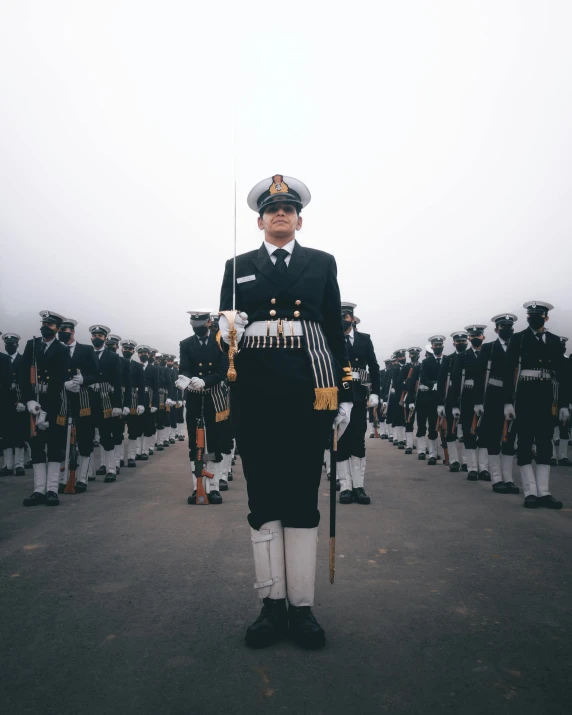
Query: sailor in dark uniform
[384,381]
[562,429]
[151,403]
[427,399]
[394,390]
[8,400]
[536,389]
[203,366]
[409,396]
[17,421]
[50,358]
[489,401]
[156,444]
[180,407]
[136,402]
[446,398]
[112,343]
[172,401]
[291,381]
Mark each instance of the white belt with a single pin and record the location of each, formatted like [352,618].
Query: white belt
[392,390]
[539,374]
[496,383]
[356,375]
[274,328]
[469,383]
[424,388]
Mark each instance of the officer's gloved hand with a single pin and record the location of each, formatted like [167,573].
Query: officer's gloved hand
[169,402]
[140,410]
[240,323]
[384,404]
[373,400]
[183,382]
[564,414]
[72,386]
[479,409]
[411,406]
[153,410]
[33,407]
[78,379]
[116,412]
[20,407]
[342,419]
[441,410]
[179,403]
[126,411]
[42,420]
[509,412]
[197,383]
[456,412]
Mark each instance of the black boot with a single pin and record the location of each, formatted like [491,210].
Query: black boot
[181,438]
[101,471]
[304,628]
[137,457]
[360,496]
[230,478]
[29,464]
[80,487]
[52,499]
[215,497]
[131,463]
[5,472]
[193,498]
[145,457]
[511,488]
[553,462]
[34,499]
[61,488]
[270,626]
[564,462]
[531,501]
[110,477]
[409,450]
[223,485]
[421,455]
[346,497]
[160,448]
[484,476]
[20,472]
[500,488]
[472,476]
[121,462]
[432,461]
[549,502]
[464,468]
[454,467]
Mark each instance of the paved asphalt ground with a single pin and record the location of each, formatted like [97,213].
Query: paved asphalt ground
[448,599]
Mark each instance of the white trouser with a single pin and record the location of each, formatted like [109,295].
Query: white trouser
[102,457]
[327,460]
[433,448]
[409,439]
[226,460]
[506,467]
[91,466]
[18,457]
[357,471]
[383,428]
[528,480]
[421,445]
[562,449]
[9,458]
[211,485]
[132,449]
[300,547]
[109,457]
[269,561]
[145,444]
[536,484]
[462,452]
[543,479]
[40,477]
[472,463]
[344,475]
[138,446]
[483,459]
[453,453]
[495,468]
[82,467]
[118,455]
[52,477]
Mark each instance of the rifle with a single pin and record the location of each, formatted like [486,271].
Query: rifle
[474,424]
[505,430]
[375,422]
[34,382]
[442,425]
[200,469]
[333,479]
[71,457]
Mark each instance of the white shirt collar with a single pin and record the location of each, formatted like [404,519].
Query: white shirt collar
[47,343]
[14,356]
[270,247]
[351,336]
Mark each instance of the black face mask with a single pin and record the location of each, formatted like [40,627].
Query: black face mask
[143,358]
[506,332]
[461,347]
[438,351]
[47,332]
[402,361]
[201,332]
[536,321]
[64,337]
[113,348]
[11,349]
[170,366]
[97,342]
[476,342]
[414,358]
[127,354]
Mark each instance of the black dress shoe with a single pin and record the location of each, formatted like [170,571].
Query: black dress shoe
[121,462]
[223,485]
[193,498]
[52,499]
[564,462]
[390,439]
[20,472]
[166,443]
[511,488]
[138,457]
[230,478]
[360,496]
[34,499]
[61,488]
[421,455]
[464,468]
[549,502]
[91,479]
[531,501]
[472,476]
[432,461]
[401,445]
[484,476]
[454,467]
[553,462]
[181,438]
[384,436]
[304,628]
[500,488]
[215,497]
[144,457]
[5,472]
[172,440]
[160,448]
[346,497]
[408,450]
[270,626]
[131,463]
[101,471]
[233,461]
[80,487]
[110,478]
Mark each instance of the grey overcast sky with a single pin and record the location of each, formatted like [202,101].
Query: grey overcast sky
[434,135]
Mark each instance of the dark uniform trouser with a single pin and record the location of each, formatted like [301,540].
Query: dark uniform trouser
[147,423]
[410,420]
[117,430]
[280,436]
[15,428]
[490,430]
[426,408]
[535,421]
[103,424]
[52,440]
[352,442]
[397,411]
[451,434]
[467,414]
[212,437]
[135,426]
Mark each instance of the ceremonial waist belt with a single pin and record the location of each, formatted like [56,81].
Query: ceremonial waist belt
[495,382]
[469,384]
[105,390]
[274,328]
[134,399]
[526,375]
[360,375]
[41,387]
[219,393]
[102,387]
[424,388]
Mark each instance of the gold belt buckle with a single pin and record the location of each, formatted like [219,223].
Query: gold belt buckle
[280,328]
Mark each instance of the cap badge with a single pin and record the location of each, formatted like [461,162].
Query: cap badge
[278,186]
[533,305]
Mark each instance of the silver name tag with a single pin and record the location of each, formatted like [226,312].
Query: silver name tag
[245,279]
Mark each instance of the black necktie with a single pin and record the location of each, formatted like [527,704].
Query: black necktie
[539,338]
[43,347]
[280,254]
[349,343]
[438,361]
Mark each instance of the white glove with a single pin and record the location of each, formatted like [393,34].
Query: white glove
[41,420]
[78,379]
[441,410]
[384,404]
[116,412]
[342,419]
[20,407]
[412,406]
[240,323]
[126,411]
[179,403]
[373,400]
[564,414]
[479,409]
[183,382]
[509,412]
[153,410]
[456,412]
[197,383]
[169,402]
[33,407]
[140,410]
[72,386]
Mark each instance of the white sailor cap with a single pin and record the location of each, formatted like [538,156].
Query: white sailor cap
[475,328]
[10,337]
[537,306]
[504,318]
[99,329]
[348,308]
[284,189]
[357,321]
[128,343]
[112,338]
[414,350]
[68,323]
[388,361]
[563,339]
[460,335]
[400,352]
[199,317]
[49,316]
[168,356]
[429,349]
[437,339]
[143,349]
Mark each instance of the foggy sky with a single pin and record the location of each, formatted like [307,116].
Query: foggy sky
[435,138]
